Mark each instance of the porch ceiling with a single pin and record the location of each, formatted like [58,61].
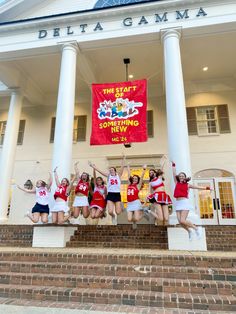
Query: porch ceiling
[217,52]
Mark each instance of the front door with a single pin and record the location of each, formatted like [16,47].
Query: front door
[218,206]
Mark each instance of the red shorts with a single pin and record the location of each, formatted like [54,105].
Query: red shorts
[159,198]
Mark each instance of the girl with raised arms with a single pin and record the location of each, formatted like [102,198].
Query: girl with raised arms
[158,197]
[81,203]
[183,205]
[134,207]
[41,208]
[113,188]
[99,194]
[60,210]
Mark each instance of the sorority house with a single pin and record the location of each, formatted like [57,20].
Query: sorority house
[52,51]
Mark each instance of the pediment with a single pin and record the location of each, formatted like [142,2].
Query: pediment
[14,10]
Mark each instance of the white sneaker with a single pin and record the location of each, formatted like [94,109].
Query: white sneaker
[190,234]
[114,219]
[199,232]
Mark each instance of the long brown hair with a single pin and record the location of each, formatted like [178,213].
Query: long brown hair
[187,179]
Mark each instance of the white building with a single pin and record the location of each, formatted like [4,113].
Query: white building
[51,51]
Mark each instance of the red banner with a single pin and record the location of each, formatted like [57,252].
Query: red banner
[119,113]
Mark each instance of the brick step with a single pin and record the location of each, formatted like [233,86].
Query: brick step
[121,283]
[16,243]
[146,271]
[136,245]
[119,239]
[135,298]
[120,258]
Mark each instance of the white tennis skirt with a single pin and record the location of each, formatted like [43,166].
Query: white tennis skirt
[80,201]
[183,204]
[61,206]
[133,206]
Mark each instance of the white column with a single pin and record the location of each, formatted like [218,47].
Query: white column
[178,140]
[9,151]
[63,138]
[175,102]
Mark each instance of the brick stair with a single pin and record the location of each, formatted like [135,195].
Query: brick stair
[221,238]
[120,236]
[16,235]
[163,281]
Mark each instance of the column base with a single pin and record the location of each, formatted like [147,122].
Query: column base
[4,221]
[53,236]
[178,240]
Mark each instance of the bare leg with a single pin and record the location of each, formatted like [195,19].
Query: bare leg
[34,217]
[183,221]
[61,218]
[159,212]
[130,216]
[76,212]
[93,213]
[138,215]
[118,208]
[165,211]
[110,206]
[85,211]
[54,218]
[44,218]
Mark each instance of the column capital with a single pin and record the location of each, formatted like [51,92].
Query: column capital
[170,32]
[69,45]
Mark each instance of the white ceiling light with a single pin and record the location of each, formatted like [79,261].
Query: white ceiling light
[205,69]
[131,76]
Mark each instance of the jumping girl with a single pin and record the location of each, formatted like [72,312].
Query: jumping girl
[60,211]
[113,188]
[134,206]
[41,208]
[99,194]
[183,204]
[159,198]
[81,194]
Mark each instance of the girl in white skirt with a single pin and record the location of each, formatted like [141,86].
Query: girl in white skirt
[183,205]
[134,206]
[81,194]
[60,210]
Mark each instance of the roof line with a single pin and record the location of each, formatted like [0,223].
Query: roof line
[71,13]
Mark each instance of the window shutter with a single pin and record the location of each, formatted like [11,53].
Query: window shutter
[21,132]
[82,123]
[192,121]
[223,116]
[150,130]
[53,123]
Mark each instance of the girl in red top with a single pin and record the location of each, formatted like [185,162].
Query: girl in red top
[81,194]
[60,211]
[183,205]
[159,197]
[134,206]
[99,194]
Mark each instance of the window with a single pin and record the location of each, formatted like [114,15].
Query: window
[150,128]
[208,120]
[79,129]
[21,131]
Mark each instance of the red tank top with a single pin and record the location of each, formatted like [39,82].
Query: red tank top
[61,192]
[82,187]
[132,193]
[181,190]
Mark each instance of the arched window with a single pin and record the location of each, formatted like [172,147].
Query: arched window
[111,3]
[213,173]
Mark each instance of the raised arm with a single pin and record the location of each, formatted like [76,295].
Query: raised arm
[26,190]
[56,176]
[142,176]
[200,187]
[98,170]
[71,184]
[122,166]
[128,170]
[174,171]
[77,174]
[49,183]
